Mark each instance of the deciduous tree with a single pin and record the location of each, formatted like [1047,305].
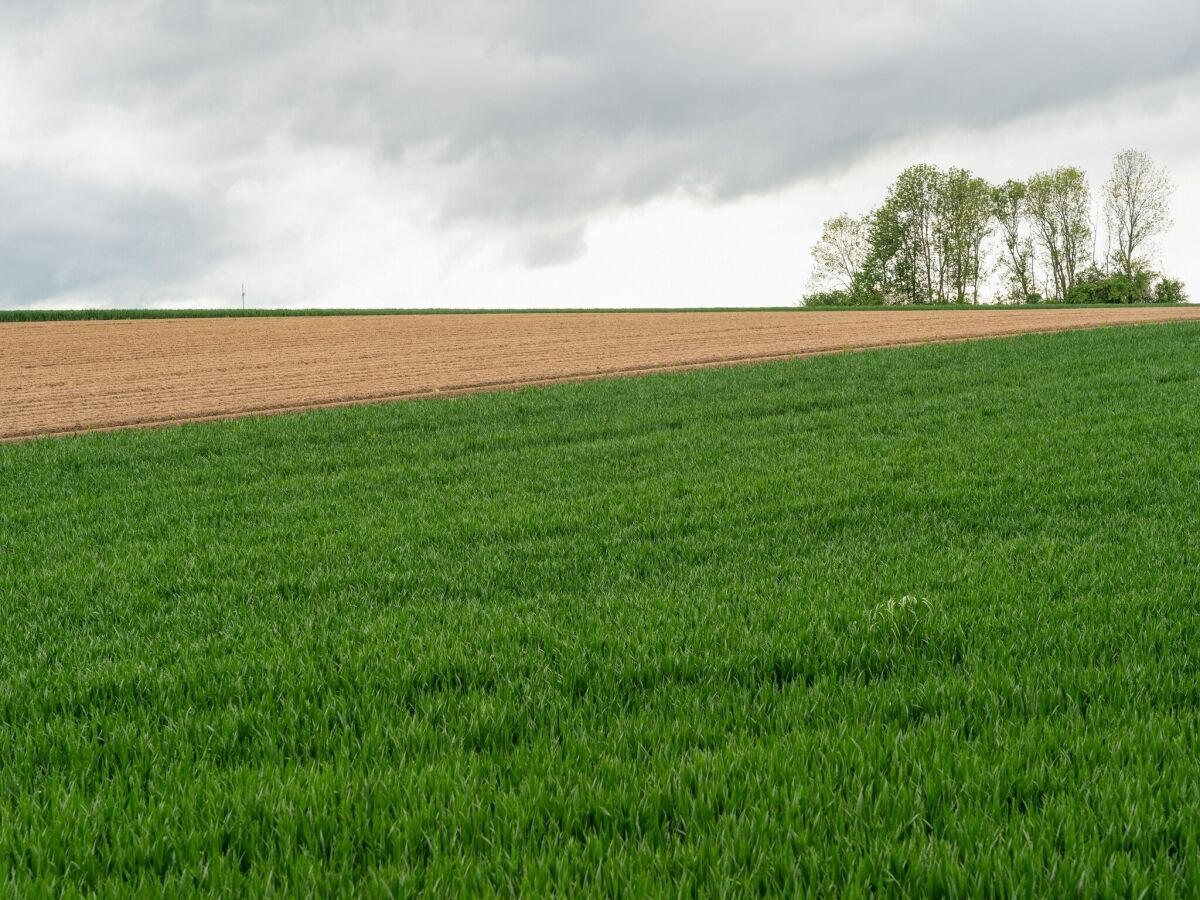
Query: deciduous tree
[1008,208]
[1059,206]
[964,222]
[1137,201]
[839,255]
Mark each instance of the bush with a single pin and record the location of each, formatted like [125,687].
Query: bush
[1170,290]
[827,298]
[1016,298]
[842,298]
[1095,287]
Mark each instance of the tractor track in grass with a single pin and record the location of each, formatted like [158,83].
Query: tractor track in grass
[66,377]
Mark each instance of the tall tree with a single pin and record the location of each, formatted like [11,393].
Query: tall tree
[904,262]
[888,274]
[1137,201]
[1059,205]
[964,222]
[927,243]
[1008,208]
[916,196]
[839,255]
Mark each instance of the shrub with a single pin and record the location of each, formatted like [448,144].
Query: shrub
[1096,287]
[827,298]
[842,298]
[1170,290]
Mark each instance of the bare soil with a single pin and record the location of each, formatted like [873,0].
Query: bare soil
[65,377]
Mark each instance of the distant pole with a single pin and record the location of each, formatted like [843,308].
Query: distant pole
[243,296]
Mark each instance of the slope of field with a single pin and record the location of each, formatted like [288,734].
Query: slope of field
[919,621]
[63,377]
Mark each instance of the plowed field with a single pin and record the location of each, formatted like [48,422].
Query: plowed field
[66,377]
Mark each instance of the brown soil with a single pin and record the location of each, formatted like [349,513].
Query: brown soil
[66,377]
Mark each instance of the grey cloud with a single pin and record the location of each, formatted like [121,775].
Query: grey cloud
[58,236]
[545,113]
[552,246]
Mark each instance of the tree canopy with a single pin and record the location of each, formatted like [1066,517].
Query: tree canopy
[947,236]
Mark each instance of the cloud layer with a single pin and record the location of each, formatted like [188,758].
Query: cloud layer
[149,146]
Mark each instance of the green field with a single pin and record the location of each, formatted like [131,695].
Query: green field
[920,621]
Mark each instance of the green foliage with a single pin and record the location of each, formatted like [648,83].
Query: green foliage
[624,638]
[1009,207]
[963,224]
[927,243]
[1169,290]
[838,255]
[940,234]
[841,299]
[1095,287]
[900,261]
[1058,204]
[828,298]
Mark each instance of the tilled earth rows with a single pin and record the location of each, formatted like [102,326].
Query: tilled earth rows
[66,377]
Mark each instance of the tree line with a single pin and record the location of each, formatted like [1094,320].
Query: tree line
[948,236]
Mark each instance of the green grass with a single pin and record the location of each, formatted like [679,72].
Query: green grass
[919,621]
[56,315]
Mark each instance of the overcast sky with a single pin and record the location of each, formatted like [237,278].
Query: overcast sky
[525,153]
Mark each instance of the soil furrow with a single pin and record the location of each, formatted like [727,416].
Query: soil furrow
[60,378]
